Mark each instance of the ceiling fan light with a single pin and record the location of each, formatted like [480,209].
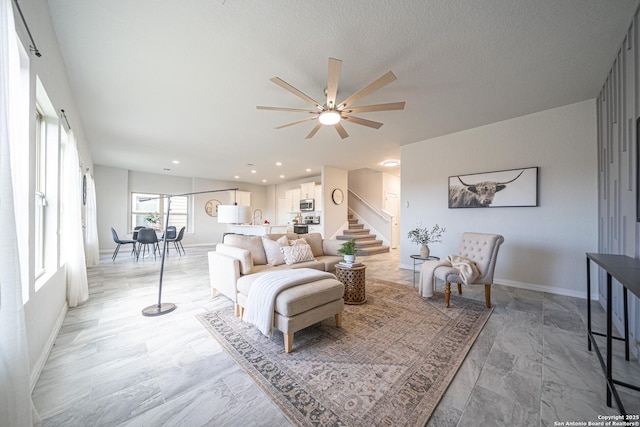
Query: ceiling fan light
[329,117]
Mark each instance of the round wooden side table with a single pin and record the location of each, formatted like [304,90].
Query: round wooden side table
[353,279]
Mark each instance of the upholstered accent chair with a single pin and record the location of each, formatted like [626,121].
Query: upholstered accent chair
[480,248]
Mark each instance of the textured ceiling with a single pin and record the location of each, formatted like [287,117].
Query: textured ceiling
[157,81]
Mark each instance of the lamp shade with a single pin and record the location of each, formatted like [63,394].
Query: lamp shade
[234,214]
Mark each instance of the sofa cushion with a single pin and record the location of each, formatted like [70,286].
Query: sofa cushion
[330,262]
[315,241]
[297,299]
[296,254]
[301,298]
[272,250]
[252,243]
[242,255]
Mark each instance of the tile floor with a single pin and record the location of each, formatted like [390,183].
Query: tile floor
[111,366]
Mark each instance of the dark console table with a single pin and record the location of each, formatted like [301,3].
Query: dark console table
[626,270]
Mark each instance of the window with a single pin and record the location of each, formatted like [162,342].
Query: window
[40,201]
[146,207]
[45,188]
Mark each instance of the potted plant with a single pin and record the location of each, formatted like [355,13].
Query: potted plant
[152,219]
[424,236]
[348,249]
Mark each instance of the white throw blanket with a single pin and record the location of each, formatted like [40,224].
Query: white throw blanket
[466,269]
[264,290]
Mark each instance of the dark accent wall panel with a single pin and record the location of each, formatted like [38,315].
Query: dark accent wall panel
[618,109]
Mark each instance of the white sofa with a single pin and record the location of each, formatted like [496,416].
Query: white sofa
[236,263]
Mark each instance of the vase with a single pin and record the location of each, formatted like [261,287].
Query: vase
[424,251]
[349,258]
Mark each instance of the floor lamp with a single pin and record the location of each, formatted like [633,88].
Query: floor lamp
[167,307]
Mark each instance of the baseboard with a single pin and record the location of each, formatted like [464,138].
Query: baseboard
[191,245]
[544,288]
[533,286]
[39,366]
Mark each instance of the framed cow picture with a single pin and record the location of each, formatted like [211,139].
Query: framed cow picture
[507,188]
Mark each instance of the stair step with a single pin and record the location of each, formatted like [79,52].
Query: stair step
[356,231]
[362,244]
[352,221]
[372,251]
[356,226]
[356,236]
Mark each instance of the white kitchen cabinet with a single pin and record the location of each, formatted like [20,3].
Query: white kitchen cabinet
[293,200]
[243,198]
[318,196]
[315,229]
[307,190]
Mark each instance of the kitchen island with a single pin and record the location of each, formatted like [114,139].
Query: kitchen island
[260,230]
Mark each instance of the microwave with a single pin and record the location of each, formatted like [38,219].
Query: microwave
[307,205]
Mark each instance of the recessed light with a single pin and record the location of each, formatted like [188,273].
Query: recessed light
[281,176]
[264,180]
[253,171]
[237,177]
[390,163]
[308,170]
[278,163]
[176,162]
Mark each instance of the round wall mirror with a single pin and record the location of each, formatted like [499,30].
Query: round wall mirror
[211,207]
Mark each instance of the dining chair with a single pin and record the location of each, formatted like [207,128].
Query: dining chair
[135,231]
[169,235]
[146,237]
[177,241]
[480,248]
[121,242]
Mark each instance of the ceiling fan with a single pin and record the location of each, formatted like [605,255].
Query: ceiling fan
[333,113]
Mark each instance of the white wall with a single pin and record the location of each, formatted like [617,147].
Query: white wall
[46,306]
[544,246]
[334,216]
[113,193]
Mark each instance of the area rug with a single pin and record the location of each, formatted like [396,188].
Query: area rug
[388,365]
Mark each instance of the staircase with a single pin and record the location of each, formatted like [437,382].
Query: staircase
[366,243]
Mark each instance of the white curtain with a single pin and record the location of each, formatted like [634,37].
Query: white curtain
[71,241]
[92,246]
[15,394]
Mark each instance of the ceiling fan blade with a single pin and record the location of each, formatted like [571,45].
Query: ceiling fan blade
[377,107]
[343,133]
[295,123]
[314,131]
[371,87]
[363,122]
[335,65]
[295,110]
[296,92]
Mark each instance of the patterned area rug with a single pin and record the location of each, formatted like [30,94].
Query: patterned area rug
[388,365]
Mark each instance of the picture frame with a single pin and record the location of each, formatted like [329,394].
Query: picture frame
[498,189]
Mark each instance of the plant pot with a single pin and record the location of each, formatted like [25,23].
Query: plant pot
[424,251]
[349,258]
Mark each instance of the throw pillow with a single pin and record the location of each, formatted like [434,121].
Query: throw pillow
[296,242]
[272,250]
[315,241]
[296,254]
